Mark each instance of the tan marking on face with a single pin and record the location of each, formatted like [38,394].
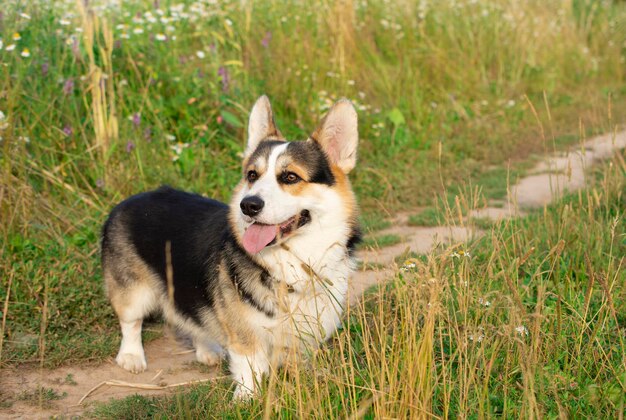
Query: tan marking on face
[259,165]
[285,164]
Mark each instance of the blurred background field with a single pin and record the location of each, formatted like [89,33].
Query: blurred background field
[103,99]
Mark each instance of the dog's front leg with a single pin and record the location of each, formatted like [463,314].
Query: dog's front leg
[248,370]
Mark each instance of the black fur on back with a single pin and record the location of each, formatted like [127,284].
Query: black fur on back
[200,236]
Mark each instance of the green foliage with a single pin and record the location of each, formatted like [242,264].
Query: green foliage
[448,93]
[380,241]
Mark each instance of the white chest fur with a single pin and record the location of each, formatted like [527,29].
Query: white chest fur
[316,267]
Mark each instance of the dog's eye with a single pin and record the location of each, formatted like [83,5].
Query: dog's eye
[252,176]
[289,178]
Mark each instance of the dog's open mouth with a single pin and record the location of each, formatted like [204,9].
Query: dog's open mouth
[258,235]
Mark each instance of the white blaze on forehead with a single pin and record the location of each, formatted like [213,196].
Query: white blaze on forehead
[279,204]
[268,182]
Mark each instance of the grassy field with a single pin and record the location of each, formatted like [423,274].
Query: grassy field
[100,103]
[526,322]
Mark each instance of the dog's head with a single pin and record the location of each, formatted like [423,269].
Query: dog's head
[291,187]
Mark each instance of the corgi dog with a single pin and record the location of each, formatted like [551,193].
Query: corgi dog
[253,281]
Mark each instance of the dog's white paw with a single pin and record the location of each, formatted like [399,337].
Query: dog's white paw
[207,357]
[135,363]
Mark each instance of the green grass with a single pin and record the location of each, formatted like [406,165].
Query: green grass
[40,397]
[380,241]
[450,96]
[531,325]
[430,216]
[483,223]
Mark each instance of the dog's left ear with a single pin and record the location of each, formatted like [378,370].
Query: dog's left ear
[338,135]
[261,125]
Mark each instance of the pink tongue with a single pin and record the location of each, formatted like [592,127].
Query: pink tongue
[256,237]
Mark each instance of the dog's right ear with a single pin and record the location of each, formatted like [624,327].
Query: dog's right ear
[261,125]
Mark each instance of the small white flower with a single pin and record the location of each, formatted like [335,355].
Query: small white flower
[407,266]
[179,147]
[1,43]
[10,47]
[2,116]
[124,35]
[229,22]
[510,103]
[351,82]
[170,137]
[461,254]
[478,338]
[25,16]
[16,36]
[521,330]
[25,52]
[24,139]
[200,54]
[79,29]
[64,22]
[160,37]
[138,31]
[170,28]
[484,302]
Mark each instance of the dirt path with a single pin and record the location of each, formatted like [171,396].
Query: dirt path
[170,363]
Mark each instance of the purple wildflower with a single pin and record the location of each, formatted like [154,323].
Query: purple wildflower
[130,146]
[67,130]
[44,69]
[266,39]
[225,77]
[136,119]
[68,87]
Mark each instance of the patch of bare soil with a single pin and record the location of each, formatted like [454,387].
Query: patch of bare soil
[41,393]
[35,393]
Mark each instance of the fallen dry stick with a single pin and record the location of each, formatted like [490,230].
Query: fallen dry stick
[115,382]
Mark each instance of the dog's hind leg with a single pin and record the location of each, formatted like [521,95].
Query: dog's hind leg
[141,301]
[131,355]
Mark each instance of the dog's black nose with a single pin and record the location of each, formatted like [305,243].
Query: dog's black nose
[252,205]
